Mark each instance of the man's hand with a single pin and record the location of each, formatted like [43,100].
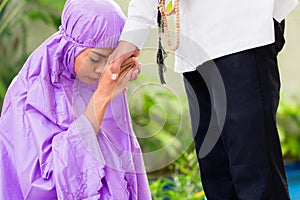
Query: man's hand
[123,51]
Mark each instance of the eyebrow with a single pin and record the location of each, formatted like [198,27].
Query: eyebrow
[99,54]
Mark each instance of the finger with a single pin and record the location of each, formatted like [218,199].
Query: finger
[134,75]
[129,63]
[124,71]
[118,65]
[123,51]
[136,53]
[138,66]
[125,90]
[115,67]
[122,82]
[136,72]
[128,75]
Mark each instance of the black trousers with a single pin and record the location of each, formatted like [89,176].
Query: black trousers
[246,161]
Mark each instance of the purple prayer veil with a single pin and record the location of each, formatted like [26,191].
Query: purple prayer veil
[90,24]
[48,148]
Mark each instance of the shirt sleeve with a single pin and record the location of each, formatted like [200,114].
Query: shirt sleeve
[142,16]
[282,8]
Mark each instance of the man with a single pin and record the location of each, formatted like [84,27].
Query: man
[241,39]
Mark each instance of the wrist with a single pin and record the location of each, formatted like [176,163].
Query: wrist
[95,110]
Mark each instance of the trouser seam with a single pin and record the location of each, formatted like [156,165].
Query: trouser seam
[264,118]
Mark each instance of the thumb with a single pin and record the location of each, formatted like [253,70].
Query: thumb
[115,67]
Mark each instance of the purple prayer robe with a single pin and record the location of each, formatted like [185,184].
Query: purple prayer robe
[48,148]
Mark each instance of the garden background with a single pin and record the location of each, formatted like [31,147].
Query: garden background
[159,113]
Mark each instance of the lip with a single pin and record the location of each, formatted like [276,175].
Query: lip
[93,79]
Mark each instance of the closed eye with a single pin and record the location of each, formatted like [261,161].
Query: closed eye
[95,60]
[97,57]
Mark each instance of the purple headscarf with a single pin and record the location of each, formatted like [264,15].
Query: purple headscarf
[93,24]
[48,148]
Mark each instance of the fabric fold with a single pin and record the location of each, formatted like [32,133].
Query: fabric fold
[48,147]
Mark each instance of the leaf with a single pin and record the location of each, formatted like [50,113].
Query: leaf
[3,5]
[169,5]
[2,89]
[11,16]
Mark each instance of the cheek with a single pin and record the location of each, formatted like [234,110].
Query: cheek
[77,65]
[81,66]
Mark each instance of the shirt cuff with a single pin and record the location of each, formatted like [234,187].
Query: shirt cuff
[80,132]
[135,32]
[88,137]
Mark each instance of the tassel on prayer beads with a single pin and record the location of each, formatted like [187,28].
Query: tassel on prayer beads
[161,55]
[163,28]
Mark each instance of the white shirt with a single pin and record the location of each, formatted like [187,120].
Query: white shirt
[210,28]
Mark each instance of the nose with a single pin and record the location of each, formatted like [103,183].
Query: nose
[99,68]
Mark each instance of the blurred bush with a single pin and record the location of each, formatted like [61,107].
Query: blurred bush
[160,120]
[184,183]
[15,21]
[159,117]
[288,118]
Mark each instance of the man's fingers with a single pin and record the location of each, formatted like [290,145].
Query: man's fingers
[136,71]
[134,75]
[115,67]
[128,63]
[124,71]
[136,53]
[128,75]
[119,63]
[125,90]
[123,51]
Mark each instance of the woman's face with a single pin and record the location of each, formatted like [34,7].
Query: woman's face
[90,63]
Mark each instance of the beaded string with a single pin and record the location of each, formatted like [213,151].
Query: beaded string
[164,14]
[163,28]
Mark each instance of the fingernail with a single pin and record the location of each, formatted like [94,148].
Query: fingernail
[114,76]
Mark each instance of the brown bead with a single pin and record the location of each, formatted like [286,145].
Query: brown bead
[164,14]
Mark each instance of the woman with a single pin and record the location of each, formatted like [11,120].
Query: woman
[65,133]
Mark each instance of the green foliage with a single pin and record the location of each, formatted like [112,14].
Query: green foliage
[48,11]
[288,118]
[160,119]
[184,184]
[10,42]
[15,19]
